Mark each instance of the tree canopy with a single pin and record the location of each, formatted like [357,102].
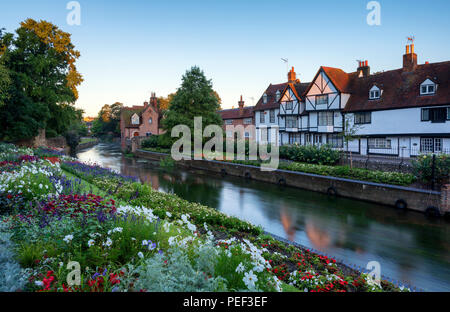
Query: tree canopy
[108,120]
[40,62]
[194,98]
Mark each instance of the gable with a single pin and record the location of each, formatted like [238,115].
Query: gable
[321,84]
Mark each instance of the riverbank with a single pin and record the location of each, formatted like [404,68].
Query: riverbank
[130,225]
[385,194]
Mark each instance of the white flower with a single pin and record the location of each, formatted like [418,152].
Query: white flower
[108,242]
[133,239]
[240,268]
[140,255]
[41,186]
[144,243]
[172,240]
[39,283]
[118,230]
[168,214]
[91,243]
[250,279]
[68,238]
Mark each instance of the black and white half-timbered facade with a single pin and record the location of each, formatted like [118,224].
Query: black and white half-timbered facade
[403,112]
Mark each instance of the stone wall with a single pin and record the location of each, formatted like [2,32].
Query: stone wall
[390,195]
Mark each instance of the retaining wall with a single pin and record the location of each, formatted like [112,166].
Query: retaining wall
[391,195]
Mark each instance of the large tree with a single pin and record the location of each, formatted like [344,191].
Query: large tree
[195,98]
[40,59]
[108,120]
[5,83]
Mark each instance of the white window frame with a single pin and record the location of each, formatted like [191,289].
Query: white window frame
[289,105]
[278,95]
[248,121]
[265,98]
[291,122]
[329,119]
[323,96]
[135,119]
[380,143]
[430,87]
[229,121]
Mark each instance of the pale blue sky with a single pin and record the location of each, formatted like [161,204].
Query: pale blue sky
[131,48]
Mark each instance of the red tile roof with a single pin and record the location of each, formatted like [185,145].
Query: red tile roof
[401,89]
[235,113]
[271,92]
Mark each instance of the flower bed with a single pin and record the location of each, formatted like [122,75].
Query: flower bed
[154,242]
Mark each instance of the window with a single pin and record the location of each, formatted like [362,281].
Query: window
[317,139]
[229,121]
[428,87]
[325,118]
[262,117]
[435,115]
[307,138]
[431,145]
[265,98]
[335,141]
[363,118]
[289,105]
[248,121]
[448,113]
[135,119]
[380,143]
[322,99]
[291,122]
[247,134]
[375,94]
[272,116]
[150,121]
[278,95]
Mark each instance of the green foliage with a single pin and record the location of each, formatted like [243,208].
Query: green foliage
[323,155]
[108,120]
[423,168]
[12,278]
[395,178]
[167,162]
[39,93]
[5,83]
[195,98]
[175,273]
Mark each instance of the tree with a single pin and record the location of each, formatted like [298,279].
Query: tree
[5,84]
[349,133]
[108,120]
[40,60]
[195,98]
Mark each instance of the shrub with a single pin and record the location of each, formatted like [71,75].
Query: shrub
[151,142]
[12,278]
[423,168]
[323,155]
[176,274]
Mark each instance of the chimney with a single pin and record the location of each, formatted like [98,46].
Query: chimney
[409,59]
[241,106]
[154,100]
[145,104]
[292,76]
[363,69]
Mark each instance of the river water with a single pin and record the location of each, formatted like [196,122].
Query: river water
[410,248]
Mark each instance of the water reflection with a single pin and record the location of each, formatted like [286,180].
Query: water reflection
[408,246]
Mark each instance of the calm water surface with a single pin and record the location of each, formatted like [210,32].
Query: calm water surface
[410,248]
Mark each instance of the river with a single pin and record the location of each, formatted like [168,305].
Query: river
[410,248]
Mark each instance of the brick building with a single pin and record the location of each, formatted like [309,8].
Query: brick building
[242,116]
[140,121]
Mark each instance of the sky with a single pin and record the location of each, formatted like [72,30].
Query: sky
[132,48]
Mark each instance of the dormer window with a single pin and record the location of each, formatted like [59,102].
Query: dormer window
[265,98]
[374,93]
[428,87]
[278,95]
[135,119]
